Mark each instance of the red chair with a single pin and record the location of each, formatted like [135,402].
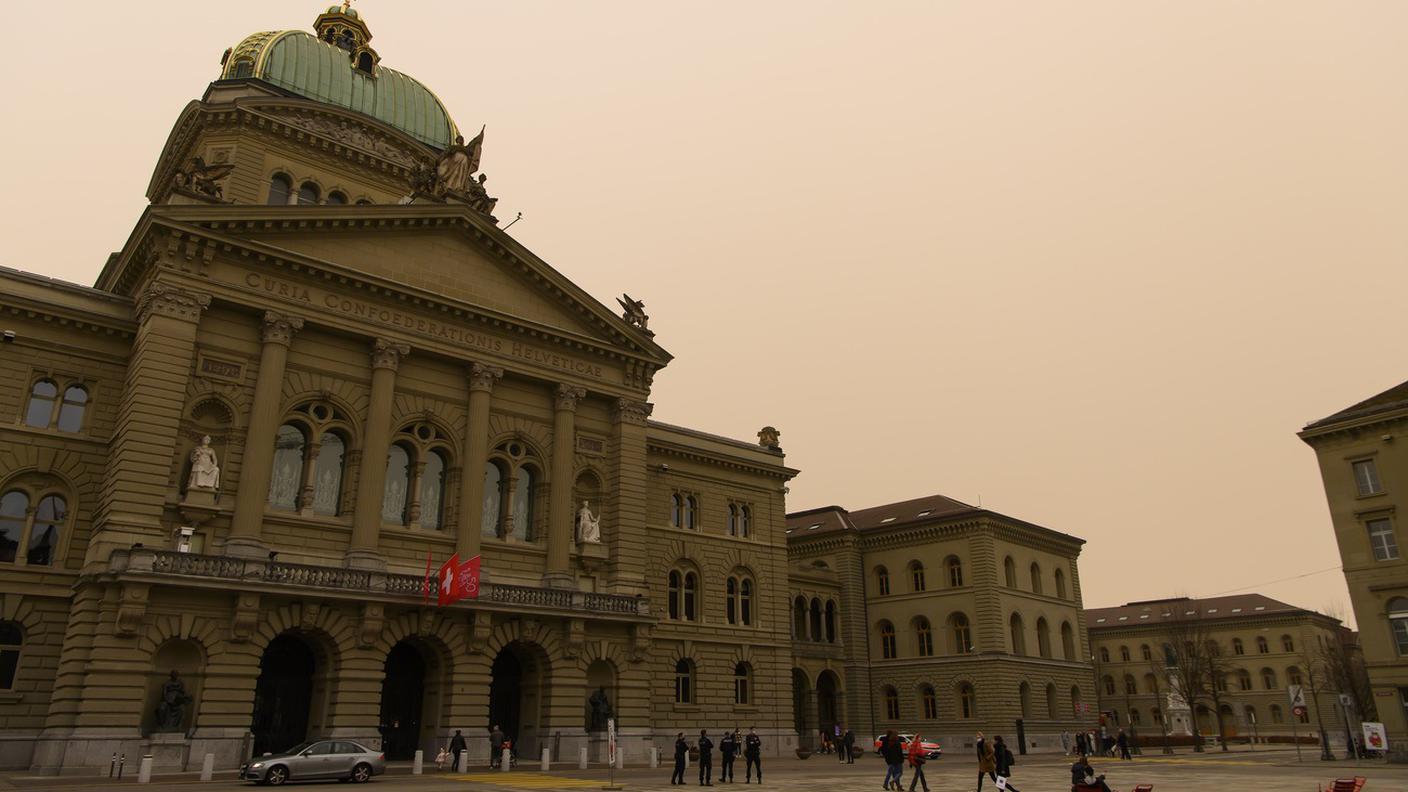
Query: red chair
[1345,785]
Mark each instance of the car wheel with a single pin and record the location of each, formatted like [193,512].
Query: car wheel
[362,773]
[276,775]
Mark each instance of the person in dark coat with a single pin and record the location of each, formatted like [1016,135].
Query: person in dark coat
[1122,740]
[892,751]
[849,739]
[681,756]
[1080,744]
[457,747]
[752,755]
[728,746]
[706,759]
[496,745]
[987,761]
[1002,755]
[1083,776]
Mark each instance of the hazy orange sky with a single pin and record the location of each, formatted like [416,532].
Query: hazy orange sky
[1092,263]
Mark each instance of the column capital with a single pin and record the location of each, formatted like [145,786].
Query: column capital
[633,412]
[482,377]
[167,300]
[569,395]
[279,328]
[387,354]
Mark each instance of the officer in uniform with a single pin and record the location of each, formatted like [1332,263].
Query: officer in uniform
[706,758]
[752,755]
[681,754]
[728,746]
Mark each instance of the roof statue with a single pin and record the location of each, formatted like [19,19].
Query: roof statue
[770,438]
[203,180]
[634,312]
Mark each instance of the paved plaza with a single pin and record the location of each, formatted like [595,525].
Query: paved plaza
[1263,771]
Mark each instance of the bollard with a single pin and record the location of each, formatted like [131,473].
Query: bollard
[463,765]
[582,758]
[546,761]
[505,759]
[121,763]
[419,766]
[620,757]
[207,768]
[144,771]
[112,767]
[654,757]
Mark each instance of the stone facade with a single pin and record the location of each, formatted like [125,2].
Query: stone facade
[386,380]
[948,620]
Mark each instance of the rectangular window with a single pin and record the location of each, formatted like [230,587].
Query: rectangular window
[1381,539]
[1366,477]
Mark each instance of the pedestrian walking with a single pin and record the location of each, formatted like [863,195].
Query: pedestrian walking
[496,745]
[916,761]
[1002,756]
[728,746]
[892,751]
[752,755]
[850,740]
[987,762]
[1080,743]
[1065,743]
[457,746]
[706,758]
[681,755]
[1122,740]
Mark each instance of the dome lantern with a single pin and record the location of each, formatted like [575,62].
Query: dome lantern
[342,27]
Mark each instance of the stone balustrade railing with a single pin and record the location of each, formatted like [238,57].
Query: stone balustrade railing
[170,562]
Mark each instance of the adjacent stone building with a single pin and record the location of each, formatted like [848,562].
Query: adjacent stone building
[1364,466]
[937,616]
[385,378]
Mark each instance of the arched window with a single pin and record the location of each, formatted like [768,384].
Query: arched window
[677,510]
[11,643]
[916,576]
[732,519]
[1261,647]
[363,202]
[1018,635]
[1124,654]
[1053,710]
[1043,638]
[892,703]
[691,589]
[742,684]
[71,410]
[1024,698]
[745,602]
[1068,641]
[831,621]
[327,474]
[882,580]
[691,512]
[745,521]
[738,590]
[967,701]
[1287,645]
[1244,679]
[1104,655]
[799,619]
[1145,653]
[511,488]
[1237,648]
[1075,698]
[286,481]
[815,611]
[1398,623]
[1108,683]
[1158,715]
[955,572]
[308,194]
[432,491]
[14,513]
[1268,679]
[887,641]
[1009,571]
[336,198]
[364,63]
[928,702]
[675,592]
[38,531]
[395,496]
[493,498]
[280,188]
[1276,715]
[1060,584]
[1151,684]
[684,682]
[924,637]
[962,634]
[1249,713]
[43,395]
[244,68]
[1036,578]
[524,497]
[1293,676]
[1130,686]
[731,600]
[1133,716]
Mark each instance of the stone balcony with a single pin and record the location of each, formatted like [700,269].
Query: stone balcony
[168,567]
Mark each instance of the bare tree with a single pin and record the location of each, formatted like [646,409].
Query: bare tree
[1186,636]
[1316,679]
[1217,669]
[1345,671]
[1156,670]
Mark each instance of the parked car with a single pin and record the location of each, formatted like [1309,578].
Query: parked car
[340,759]
[932,750]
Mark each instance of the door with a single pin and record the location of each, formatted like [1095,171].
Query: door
[1021,738]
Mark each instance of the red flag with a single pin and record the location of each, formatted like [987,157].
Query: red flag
[425,589]
[446,580]
[468,579]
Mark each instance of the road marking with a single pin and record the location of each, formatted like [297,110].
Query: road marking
[530,781]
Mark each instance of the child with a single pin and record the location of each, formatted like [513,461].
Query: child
[441,758]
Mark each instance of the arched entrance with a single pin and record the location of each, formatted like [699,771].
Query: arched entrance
[828,701]
[801,707]
[402,700]
[517,681]
[283,695]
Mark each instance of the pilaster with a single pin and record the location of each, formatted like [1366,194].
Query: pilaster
[560,513]
[626,529]
[371,484]
[476,443]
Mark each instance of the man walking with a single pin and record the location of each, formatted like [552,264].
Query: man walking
[728,746]
[916,761]
[987,761]
[842,748]
[892,751]
[496,745]
[850,741]
[681,754]
[706,759]
[457,747]
[1123,742]
[752,755]
[1002,755]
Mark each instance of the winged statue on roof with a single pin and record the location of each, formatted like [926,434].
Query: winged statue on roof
[203,179]
[633,311]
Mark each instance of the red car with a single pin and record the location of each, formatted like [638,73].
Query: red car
[931,749]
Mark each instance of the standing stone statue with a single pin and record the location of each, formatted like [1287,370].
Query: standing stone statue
[205,467]
[457,164]
[601,709]
[171,710]
[588,525]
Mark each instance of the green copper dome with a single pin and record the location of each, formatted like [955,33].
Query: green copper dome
[303,64]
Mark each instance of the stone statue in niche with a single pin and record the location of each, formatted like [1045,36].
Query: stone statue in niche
[601,709]
[588,526]
[171,710]
[205,467]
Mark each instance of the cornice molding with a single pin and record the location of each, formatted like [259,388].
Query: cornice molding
[733,463]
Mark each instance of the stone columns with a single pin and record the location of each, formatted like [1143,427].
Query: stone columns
[264,416]
[628,484]
[371,482]
[476,449]
[564,434]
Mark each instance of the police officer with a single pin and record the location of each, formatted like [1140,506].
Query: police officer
[681,754]
[706,758]
[752,755]
[728,746]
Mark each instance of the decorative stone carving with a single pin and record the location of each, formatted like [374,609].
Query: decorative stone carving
[588,526]
[167,300]
[131,609]
[633,412]
[477,636]
[768,438]
[425,624]
[373,617]
[569,395]
[308,614]
[279,328]
[387,354]
[479,198]
[203,180]
[633,311]
[171,710]
[640,642]
[576,638]
[482,377]
[205,467]
[246,617]
[348,133]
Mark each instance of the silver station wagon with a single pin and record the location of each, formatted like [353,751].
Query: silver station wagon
[316,761]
